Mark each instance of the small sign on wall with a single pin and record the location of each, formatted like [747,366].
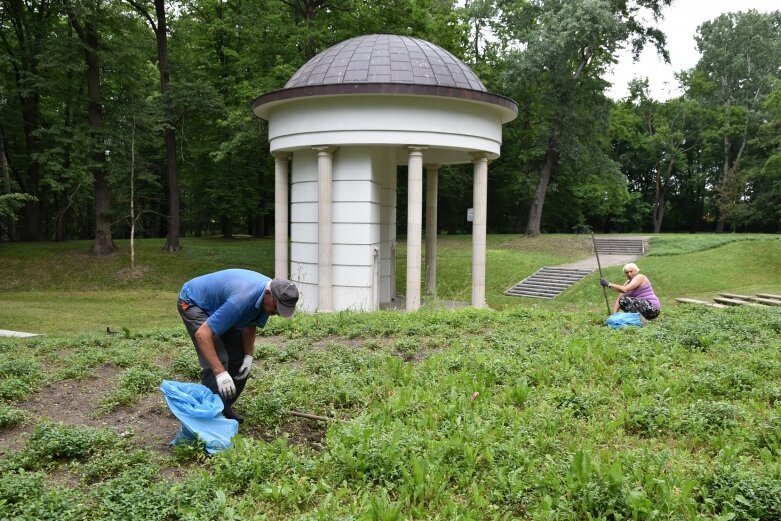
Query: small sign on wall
[469,214]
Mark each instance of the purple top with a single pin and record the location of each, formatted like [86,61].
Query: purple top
[647,292]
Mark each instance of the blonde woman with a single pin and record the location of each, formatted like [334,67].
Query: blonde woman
[637,294]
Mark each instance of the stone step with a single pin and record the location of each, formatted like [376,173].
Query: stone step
[553,276]
[701,302]
[620,249]
[525,285]
[602,252]
[619,246]
[735,296]
[551,286]
[569,271]
[765,301]
[769,295]
[531,294]
[734,301]
[547,282]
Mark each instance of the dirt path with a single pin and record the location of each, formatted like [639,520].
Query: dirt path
[148,424]
[590,263]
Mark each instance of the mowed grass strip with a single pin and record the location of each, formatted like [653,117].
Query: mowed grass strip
[57,288]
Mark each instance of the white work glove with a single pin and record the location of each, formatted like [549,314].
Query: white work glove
[225,385]
[246,365]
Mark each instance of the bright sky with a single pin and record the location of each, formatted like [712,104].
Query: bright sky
[680,24]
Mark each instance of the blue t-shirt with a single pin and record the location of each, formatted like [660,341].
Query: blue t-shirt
[231,298]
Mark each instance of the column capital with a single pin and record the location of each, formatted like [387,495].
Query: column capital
[281,155]
[479,156]
[328,149]
[432,166]
[416,148]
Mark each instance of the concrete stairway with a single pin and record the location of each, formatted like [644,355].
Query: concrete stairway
[620,246]
[547,282]
[732,299]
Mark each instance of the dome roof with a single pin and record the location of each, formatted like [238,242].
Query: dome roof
[384,65]
[387,59]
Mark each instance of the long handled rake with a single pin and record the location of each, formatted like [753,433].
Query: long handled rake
[599,265]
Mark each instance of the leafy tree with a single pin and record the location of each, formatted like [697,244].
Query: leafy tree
[159,25]
[562,51]
[651,139]
[765,181]
[84,20]
[313,20]
[741,52]
[24,28]
[10,201]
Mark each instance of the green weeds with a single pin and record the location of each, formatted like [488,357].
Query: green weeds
[133,383]
[19,377]
[10,416]
[467,414]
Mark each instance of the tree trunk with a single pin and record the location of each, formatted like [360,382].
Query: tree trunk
[29,22]
[5,172]
[133,196]
[721,196]
[546,173]
[31,112]
[62,208]
[658,212]
[172,237]
[659,196]
[88,34]
[261,228]
[226,227]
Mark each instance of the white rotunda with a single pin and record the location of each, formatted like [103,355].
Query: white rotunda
[338,131]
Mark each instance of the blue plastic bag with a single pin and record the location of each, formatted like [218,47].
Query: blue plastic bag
[200,412]
[623,319]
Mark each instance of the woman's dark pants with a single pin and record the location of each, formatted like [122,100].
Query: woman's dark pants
[638,305]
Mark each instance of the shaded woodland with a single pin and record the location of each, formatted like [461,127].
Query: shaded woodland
[120,117]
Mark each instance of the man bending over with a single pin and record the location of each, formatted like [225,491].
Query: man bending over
[221,311]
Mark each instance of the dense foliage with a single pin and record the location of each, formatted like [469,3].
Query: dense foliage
[107,106]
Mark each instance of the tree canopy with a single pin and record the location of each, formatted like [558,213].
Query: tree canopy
[106,106]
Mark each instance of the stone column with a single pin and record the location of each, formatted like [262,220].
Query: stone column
[324,226]
[432,179]
[414,225]
[387,172]
[480,196]
[281,216]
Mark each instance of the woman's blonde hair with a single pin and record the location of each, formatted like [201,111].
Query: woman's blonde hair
[631,266]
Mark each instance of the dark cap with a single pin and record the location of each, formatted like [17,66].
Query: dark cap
[286,295]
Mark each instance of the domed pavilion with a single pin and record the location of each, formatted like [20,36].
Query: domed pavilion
[338,131]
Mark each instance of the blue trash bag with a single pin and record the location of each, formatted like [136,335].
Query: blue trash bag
[623,319]
[200,412]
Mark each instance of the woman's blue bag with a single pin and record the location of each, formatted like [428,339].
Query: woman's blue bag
[200,412]
[623,319]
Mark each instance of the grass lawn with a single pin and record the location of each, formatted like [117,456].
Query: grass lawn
[61,289]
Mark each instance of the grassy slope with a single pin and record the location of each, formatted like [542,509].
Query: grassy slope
[61,289]
[745,267]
